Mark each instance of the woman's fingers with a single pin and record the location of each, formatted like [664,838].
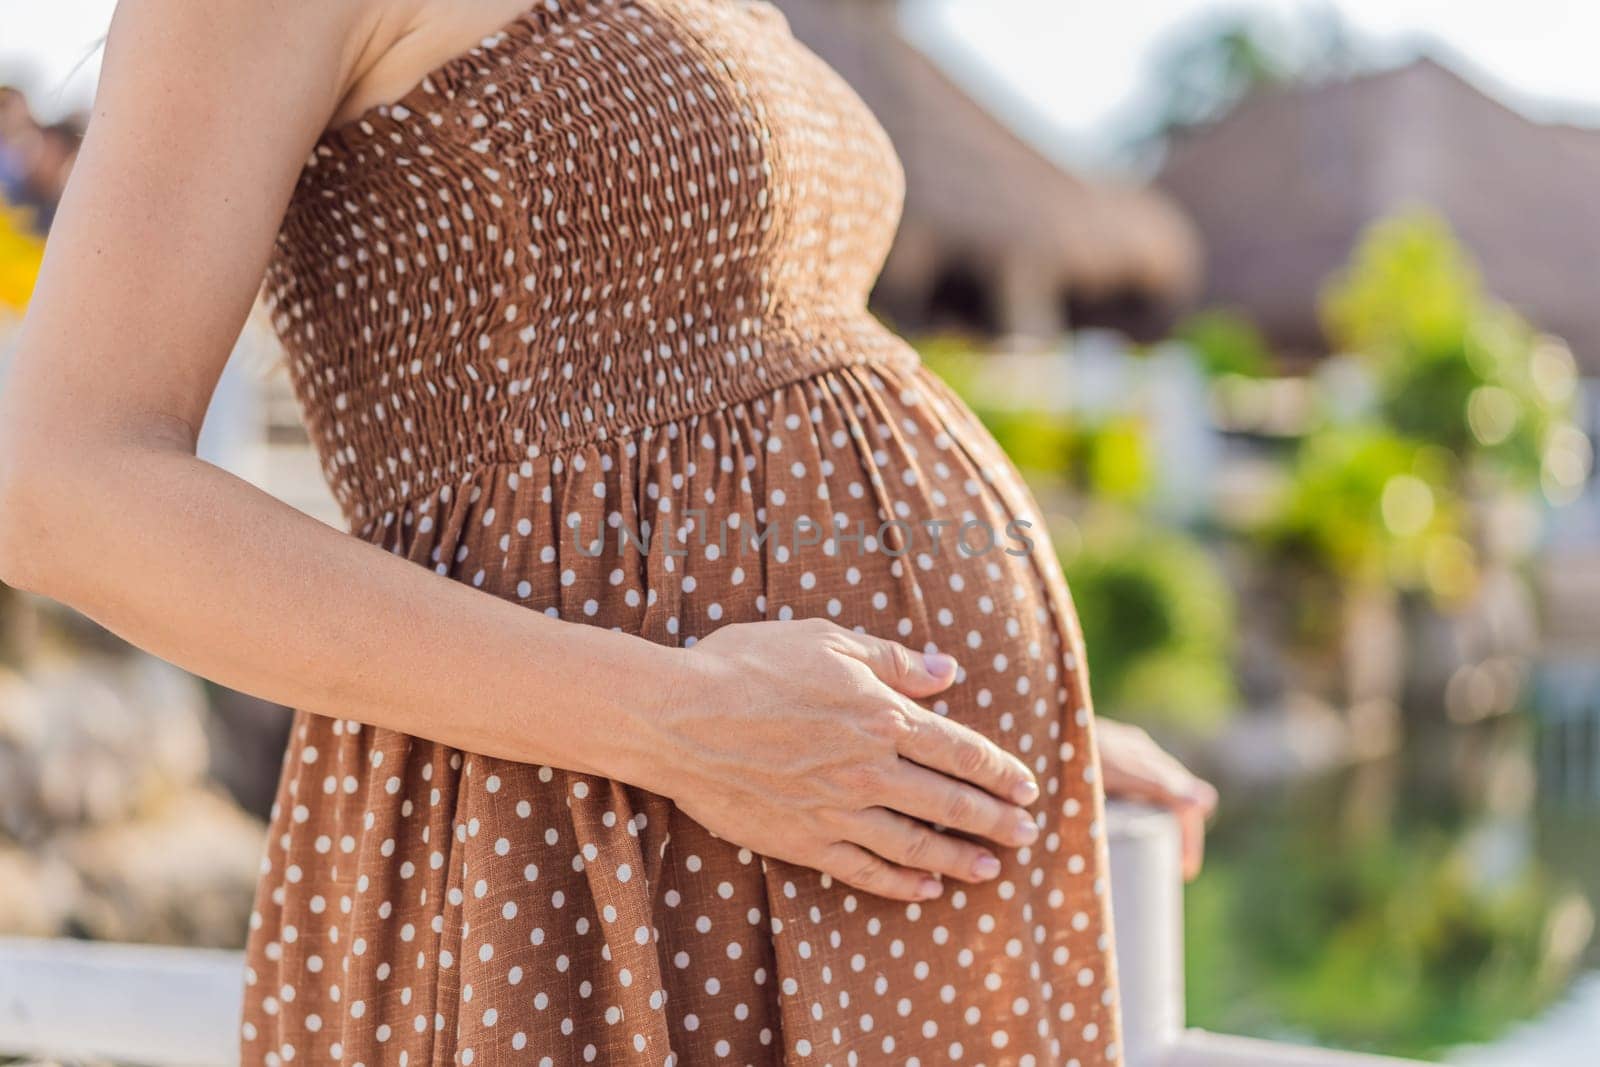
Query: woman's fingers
[1192,826]
[1137,768]
[915,674]
[962,753]
[1194,804]
[936,798]
[912,797]
[934,741]
[916,845]
[860,869]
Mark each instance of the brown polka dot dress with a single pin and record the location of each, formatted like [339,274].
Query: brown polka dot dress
[581,322]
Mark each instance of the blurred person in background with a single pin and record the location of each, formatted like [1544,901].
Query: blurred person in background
[47,169]
[35,160]
[657,815]
[17,132]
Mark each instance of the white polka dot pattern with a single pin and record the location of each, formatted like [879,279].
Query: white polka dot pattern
[578,322]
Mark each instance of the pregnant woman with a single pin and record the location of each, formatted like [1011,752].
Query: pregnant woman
[698,686]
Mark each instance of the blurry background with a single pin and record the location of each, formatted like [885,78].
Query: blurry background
[1287,312]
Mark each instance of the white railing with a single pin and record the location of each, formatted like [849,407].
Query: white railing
[177,1007]
[1147,898]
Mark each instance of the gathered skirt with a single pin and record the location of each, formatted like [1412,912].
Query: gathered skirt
[423,905]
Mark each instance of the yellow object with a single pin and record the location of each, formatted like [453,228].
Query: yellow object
[20,255]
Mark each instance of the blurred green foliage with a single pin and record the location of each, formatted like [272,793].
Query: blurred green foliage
[1157,619]
[1371,505]
[1107,459]
[954,360]
[1471,401]
[1225,343]
[1382,934]
[1038,442]
[1454,367]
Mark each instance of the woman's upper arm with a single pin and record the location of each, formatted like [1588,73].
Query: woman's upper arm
[204,116]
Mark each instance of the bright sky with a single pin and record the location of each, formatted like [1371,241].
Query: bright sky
[1076,64]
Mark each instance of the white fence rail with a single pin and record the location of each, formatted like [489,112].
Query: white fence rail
[166,1007]
[169,1007]
[1147,892]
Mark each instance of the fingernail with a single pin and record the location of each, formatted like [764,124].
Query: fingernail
[1026,792]
[939,665]
[986,867]
[930,888]
[1027,829]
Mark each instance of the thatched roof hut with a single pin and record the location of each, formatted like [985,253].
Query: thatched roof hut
[995,232]
[1282,187]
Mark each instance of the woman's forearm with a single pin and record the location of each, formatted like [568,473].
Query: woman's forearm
[802,739]
[200,568]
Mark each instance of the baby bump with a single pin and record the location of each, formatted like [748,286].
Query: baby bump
[901,518]
[867,496]
[863,496]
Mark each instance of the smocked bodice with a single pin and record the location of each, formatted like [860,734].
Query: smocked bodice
[608,216]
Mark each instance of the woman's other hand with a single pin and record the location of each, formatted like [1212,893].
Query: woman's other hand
[1134,767]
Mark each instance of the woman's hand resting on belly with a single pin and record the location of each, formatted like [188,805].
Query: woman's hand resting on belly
[804,741]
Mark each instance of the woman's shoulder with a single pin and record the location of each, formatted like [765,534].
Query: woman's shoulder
[401,42]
